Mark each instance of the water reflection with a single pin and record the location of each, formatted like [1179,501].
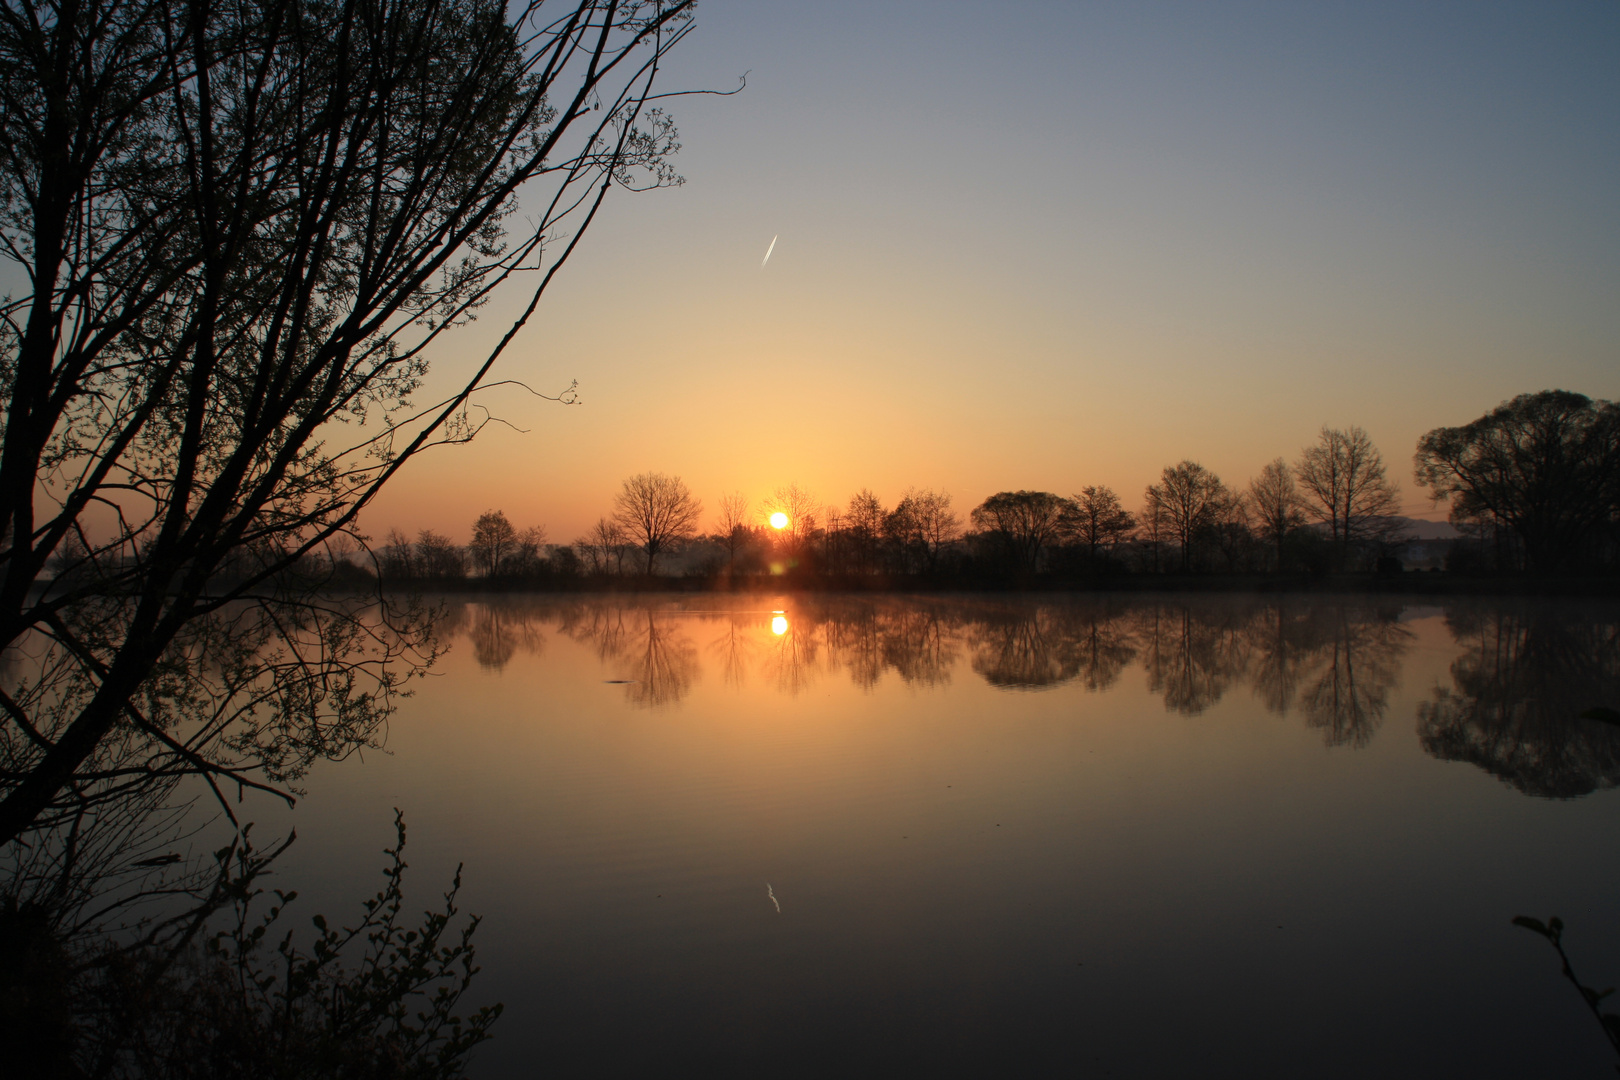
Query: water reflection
[1335,663]
[1193,656]
[1519,687]
[651,649]
[497,630]
[1513,709]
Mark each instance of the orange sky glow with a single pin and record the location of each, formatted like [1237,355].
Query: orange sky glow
[1061,248]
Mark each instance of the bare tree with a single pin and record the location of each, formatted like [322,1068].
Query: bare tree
[863,529]
[437,557]
[1024,522]
[244,230]
[493,542]
[1192,499]
[1097,520]
[937,523]
[602,548]
[921,525]
[802,510]
[1153,523]
[528,552]
[396,560]
[1277,505]
[657,511]
[733,525]
[1345,488]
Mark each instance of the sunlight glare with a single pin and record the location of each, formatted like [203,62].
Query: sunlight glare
[779,520]
[779,625]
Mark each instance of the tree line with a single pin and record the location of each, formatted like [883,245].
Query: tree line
[1532,486]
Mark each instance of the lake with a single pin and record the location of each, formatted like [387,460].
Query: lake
[1099,835]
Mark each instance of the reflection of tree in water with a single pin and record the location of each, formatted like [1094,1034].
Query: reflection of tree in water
[855,639]
[1283,640]
[915,639]
[497,631]
[660,661]
[665,659]
[792,658]
[1103,644]
[1192,657]
[1353,671]
[602,626]
[1336,662]
[920,644]
[1024,649]
[1518,691]
[737,648]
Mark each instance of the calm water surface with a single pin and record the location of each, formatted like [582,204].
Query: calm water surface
[1223,836]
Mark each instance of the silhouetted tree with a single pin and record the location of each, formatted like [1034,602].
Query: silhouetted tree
[863,530]
[1192,499]
[563,560]
[1023,523]
[493,542]
[397,559]
[1153,526]
[732,529]
[656,511]
[602,549]
[802,511]
[1231,533]
[238,232]
[1277,504]
[1097,520]
[528,553]
[1544,468]
[1345,488]
[921,526]
[437,558]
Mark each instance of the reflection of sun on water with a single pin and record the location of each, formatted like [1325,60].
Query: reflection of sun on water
[779,520]
[779,625]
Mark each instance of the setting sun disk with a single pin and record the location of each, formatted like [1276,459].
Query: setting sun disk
[779,520]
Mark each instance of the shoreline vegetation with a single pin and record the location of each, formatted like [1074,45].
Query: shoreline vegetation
[1409,583]
[1533,489]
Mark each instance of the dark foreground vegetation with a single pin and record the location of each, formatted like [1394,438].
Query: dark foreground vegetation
[216,984]
[1533,489]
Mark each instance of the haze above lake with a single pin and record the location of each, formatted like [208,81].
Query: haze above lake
[1166,836]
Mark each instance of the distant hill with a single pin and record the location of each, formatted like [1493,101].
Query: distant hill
[1418,529]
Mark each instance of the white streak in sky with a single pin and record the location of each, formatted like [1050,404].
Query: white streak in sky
[768,251]
[768,891]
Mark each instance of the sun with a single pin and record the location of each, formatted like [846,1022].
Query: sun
[779,625]
[779,520]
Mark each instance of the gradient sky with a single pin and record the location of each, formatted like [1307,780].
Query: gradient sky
[1045,245]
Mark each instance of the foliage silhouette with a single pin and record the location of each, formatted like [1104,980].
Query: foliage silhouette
[1541,471]
[1553,931]
[379,999]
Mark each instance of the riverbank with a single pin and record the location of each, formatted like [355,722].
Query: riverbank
[1410,583]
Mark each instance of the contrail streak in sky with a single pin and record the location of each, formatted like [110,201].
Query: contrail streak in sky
[768,891]
[768,251]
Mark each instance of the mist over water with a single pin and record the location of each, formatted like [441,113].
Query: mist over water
[1101,836]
